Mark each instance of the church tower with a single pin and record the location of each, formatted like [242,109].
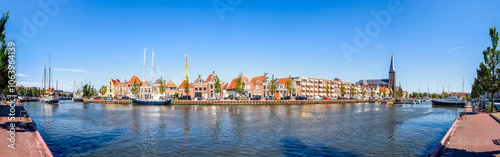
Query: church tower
[392,75]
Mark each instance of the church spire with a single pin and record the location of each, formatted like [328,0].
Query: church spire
[391,69]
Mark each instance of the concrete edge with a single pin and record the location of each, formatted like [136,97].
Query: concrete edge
[446,137]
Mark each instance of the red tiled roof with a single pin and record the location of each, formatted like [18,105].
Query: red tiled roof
[382,89]
[133,79]
[170,84]
[115,81]
[232,85]
[146,83]
[224,85]
[283,80]
[17,87]
[182,84]
[209,78]
[257,80]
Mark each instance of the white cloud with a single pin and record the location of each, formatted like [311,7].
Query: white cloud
[72,70]
[21,75]
[455,48]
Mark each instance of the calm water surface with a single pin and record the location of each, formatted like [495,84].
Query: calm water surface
[78,129]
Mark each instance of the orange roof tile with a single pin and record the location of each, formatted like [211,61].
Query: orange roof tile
[133,79]
[146,83]
[182,84]
[170,84]
[232,85]
[257,80]
[209,78]
[283,80]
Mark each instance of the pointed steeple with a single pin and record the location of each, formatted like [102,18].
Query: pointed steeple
[391,69]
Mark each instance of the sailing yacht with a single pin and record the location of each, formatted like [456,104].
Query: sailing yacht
[154,99]
[51,98]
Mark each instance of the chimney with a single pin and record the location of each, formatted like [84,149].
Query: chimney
[265,74]
[213,72]
[199,76]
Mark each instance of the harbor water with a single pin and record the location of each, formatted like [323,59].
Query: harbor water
[93,129]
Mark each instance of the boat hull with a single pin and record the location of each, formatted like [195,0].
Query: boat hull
[50,101]
[447,103]
[77,100]
[145,102]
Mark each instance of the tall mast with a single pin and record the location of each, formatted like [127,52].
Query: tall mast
[187,68]
[44,74]
[49,71]
[152,59]
[144,67]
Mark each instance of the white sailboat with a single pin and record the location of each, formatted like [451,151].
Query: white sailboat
[154,99]
[51,98]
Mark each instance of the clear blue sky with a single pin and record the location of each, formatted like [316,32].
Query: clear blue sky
[434,43]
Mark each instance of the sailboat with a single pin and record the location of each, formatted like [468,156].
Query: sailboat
[51,98]
[77,97]
[154,99]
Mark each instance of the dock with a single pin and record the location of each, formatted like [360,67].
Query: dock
[472,134]
[23,139]
[262,102]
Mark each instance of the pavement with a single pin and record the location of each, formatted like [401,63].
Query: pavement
[27,140]
[475,134]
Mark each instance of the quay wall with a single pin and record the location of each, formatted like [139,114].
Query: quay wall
[232,102]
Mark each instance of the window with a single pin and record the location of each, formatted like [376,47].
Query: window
[257,87]
[196,88]
[204,88]
[211,86]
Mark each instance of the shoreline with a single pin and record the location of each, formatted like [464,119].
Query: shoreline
[235,102]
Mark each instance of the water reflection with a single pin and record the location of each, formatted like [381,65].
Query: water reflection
[236,130]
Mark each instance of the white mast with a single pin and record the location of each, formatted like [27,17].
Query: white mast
[144,67]
[152,59]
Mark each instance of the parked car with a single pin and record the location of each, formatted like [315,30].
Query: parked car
[212,98]
[258,97]
[301,98]
[197,98]
[187,97]
[287,98]
[96,98]
[310,98]
[242,98]
[334,98]
[317,98]
[326,98]
[352,98]
[270,98]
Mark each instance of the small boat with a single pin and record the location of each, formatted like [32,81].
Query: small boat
[390,102]
[77,100]
[50,100]
[449,101]
[155,100]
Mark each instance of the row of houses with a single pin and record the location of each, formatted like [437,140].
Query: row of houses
[256,86]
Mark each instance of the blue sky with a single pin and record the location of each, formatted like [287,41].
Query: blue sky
[434,43]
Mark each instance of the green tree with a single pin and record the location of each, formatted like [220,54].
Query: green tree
[102,91]
[136,87]
[434,95]
[372,93]
[86,90]
[21,91]
[327,89]
[186,86]
[162,86]
[272,86]
[28,92]
[342,90]
[289,85]
[476,91]
[4,57]
[399,93]
[34,92]
[176,95]
[217,86]
[363,92]
[240,84]
[488,72]
[383,94]
[390,93]
[353,90]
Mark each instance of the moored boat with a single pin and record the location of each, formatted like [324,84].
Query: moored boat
[151,102]
[449,101]
[50,100]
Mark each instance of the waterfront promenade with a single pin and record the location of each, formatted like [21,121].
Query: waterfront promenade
[235,102]
[27,140]
[471,135]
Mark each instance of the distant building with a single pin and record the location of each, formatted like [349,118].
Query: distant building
[385,83]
